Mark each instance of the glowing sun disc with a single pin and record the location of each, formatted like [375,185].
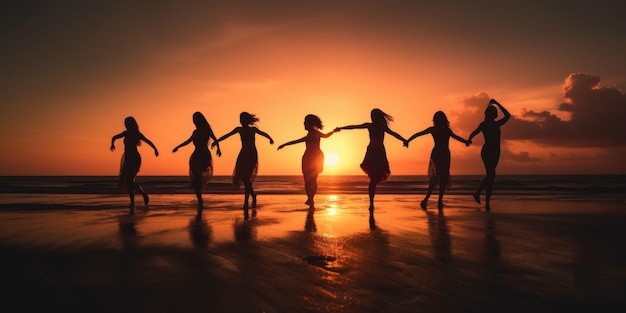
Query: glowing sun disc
[331,159]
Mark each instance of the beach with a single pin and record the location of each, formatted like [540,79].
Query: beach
[77,252]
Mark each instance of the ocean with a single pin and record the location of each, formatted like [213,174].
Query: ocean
[589,187]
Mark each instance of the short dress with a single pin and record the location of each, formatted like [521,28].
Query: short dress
[247,160]
[439,165]
[131,159]
[313,158]
[129,166]
[200,162]
[375,163]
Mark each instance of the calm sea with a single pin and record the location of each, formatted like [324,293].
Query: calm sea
[593,187]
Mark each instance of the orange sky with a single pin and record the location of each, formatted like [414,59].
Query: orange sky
[73,71]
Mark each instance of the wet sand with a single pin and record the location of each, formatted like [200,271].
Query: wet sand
[91,255]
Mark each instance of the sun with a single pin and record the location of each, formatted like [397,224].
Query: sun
[331,159]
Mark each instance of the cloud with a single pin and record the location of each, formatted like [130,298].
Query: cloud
[597,114]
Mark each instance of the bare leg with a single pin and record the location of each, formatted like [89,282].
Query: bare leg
[372,192]
[130,187]
[491,175]
[248,192]
[311,189]
[443,182]
[146,199]
[197,187]
[431,186]
[480,190]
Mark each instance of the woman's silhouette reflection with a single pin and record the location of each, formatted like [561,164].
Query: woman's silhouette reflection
[439,236]
[309,224]
[199,232]
[244,230]
[128,231]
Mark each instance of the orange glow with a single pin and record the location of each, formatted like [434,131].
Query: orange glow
[280,65]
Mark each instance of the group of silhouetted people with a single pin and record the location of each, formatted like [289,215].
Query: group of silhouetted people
[374,164]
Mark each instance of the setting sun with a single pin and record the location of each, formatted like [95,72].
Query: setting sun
[331,159]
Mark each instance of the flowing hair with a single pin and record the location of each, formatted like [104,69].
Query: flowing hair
[441,120]
[378,116]
[132,128]
[246,118]
[314,121]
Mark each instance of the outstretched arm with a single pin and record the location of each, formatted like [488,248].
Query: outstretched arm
[186,142]
[459,138]
[146,140]
[293,142]
[216,142]
[392,133]
[475,132]
[264,134]
[506,113]
[116,137]
[364,125]
[423,132]
[327,134]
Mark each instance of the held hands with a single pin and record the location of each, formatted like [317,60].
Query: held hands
[337,129]
[406,143]
[468,143]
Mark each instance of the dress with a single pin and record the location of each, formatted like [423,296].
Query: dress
[200,162]
[129,166]
[375,163]
[313,158]
[131,159]
[439,165]
[247,160]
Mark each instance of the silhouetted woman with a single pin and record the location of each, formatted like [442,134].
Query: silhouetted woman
[490,152]
[200,162]
[313,158]
[375,163]
[247,161]
[131,160]
[439,165]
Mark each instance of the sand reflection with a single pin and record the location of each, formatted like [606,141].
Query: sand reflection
[439,236]
[199,232]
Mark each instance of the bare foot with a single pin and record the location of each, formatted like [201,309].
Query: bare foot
[477,197]
[423,204]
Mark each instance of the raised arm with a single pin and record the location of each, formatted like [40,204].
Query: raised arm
[116,137]
[186,142]
[506,113]
[264,134]
[293,142]
[146,140]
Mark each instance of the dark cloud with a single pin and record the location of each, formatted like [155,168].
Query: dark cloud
[597,114]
